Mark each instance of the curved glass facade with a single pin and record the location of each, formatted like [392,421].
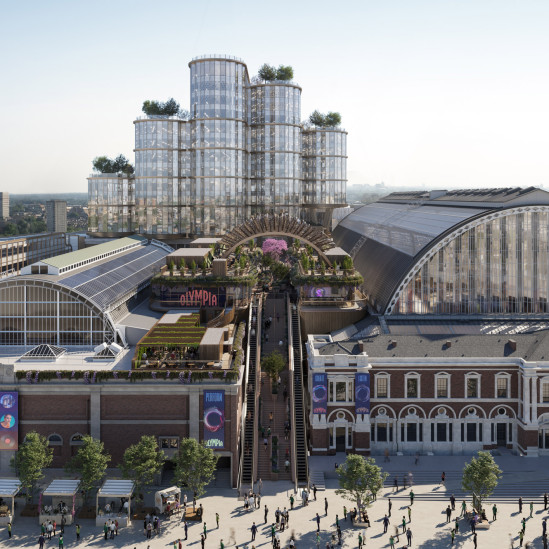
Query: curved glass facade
[324,169]
[240,154]
[499,266]
[34,312]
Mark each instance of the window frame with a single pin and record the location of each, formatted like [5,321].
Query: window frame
[446,376]
[417,377]
[387,378]
[55,442]
[544,383]
[497,377]
[477,377]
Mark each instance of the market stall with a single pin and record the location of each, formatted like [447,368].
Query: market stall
[167,499]
[8,489]
[118,494]
[63,494]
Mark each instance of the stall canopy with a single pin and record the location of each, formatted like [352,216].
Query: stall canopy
[9,487]
[62,488]
[116,489]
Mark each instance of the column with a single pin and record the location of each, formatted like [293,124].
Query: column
[525,399]
[194,415]
[456,434]
[486,432]
[95,412]
[534,396]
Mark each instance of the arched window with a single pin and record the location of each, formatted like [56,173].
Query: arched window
[77,439]
[55,440]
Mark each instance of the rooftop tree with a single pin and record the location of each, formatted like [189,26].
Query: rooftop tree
[269,73]
[169,108]
[104,164]
[329,120]
[274,247]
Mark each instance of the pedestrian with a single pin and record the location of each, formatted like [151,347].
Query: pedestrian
[338,535]
[456,526]
[448,513]
[41,541]
[273,531]
[217,520]
[270,417]
[520,505]
[392,542]
[202,541]
[463,508]
[443,478]
[453,535]
[453,502]
[412,497]
[267,512]
[9,529]
[475,540]
[409,514]
[205,531]
[386,522]
[292,500]
[545,501]
[397,533]
[337,521]
[254,531]
[544,537]
[390,504]
[531,508]
[403,524]
[314,491]
[395,483]
[404,482]
[387,455]
[344,512]
[359,541]
[409,537]
[61,541]
[317,522]
[521,537]
[473,525]
[221,545]
[417,458]
[185,527]
[106,530]
[265,443]
[326,506]
[523,521]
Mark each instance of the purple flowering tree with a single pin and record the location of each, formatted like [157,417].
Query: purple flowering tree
[274,247]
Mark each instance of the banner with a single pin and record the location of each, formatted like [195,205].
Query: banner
[214,419]
[362,393]
[320,394]
[9,421]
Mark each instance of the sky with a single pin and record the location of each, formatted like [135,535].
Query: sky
[434,94]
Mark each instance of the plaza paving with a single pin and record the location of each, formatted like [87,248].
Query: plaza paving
[522,476]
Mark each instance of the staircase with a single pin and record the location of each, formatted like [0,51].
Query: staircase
[250,431]
[299,419]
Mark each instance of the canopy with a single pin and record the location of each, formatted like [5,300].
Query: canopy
[62,487]
[116,489]
[9,487]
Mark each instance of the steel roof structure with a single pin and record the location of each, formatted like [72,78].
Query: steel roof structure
[62,487]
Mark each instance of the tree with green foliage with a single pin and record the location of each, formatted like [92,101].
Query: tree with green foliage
[157,108]
[284,73]
[90,462]
[194,465]
[305,262]
[480,477]
[347,263]
[142,461]
[267,72]
[194,267]
[104,164]
[273,364]
[330,120]
[317,119]
[360,479]
[34,455]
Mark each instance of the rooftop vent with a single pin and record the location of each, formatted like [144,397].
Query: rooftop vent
[361,346]
[436,194]
[448,344]
[512,344]
[392,343]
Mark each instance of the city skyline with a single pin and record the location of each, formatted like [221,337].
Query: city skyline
[432,94]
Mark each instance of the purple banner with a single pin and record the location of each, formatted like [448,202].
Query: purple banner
[320,394]
[214,419]
[9,423]
[362,393]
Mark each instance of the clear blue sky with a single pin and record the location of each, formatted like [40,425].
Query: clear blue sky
[433,93]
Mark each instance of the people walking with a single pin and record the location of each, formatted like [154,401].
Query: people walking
[520,505]
[448,513]
[475,540]
[409,514]
[326,506]
[531,509]
[412,497]
[390,504]
[443,478]
[545,501]
[453,502]
[395,484]
[267,512]
[386,522]
[254,531]
[494,512]
[409,537]
[403,524]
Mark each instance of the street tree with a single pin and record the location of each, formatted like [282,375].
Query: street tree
[194,465]
[90,462]
[142,461]
[481,476]
[33,456]
[360,479]
[273,364]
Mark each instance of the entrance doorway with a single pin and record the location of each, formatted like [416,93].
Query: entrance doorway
[501,434]
[340,439]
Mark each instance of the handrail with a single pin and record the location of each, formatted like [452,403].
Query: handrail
[291,381]
[257,384]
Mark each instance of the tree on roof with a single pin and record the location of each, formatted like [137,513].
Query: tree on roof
[104,164]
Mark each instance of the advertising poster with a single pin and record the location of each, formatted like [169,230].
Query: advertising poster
[320,394]
[8,421]
[214,419]
[362,393]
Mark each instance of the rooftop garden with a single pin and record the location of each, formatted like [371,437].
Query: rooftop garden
[169,108]
[328,120]
[269,73]
[120,164]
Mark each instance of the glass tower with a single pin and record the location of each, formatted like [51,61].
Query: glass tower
[242,152]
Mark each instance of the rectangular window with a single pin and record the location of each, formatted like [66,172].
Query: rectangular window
[545,393]
[472,387]
[411,432]
[471,432]
[341,391]
[442,387]
[381,387]
[502,384]
[382,432]
[412,387]
[441,432]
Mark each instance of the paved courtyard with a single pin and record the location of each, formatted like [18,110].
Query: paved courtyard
[522,476]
